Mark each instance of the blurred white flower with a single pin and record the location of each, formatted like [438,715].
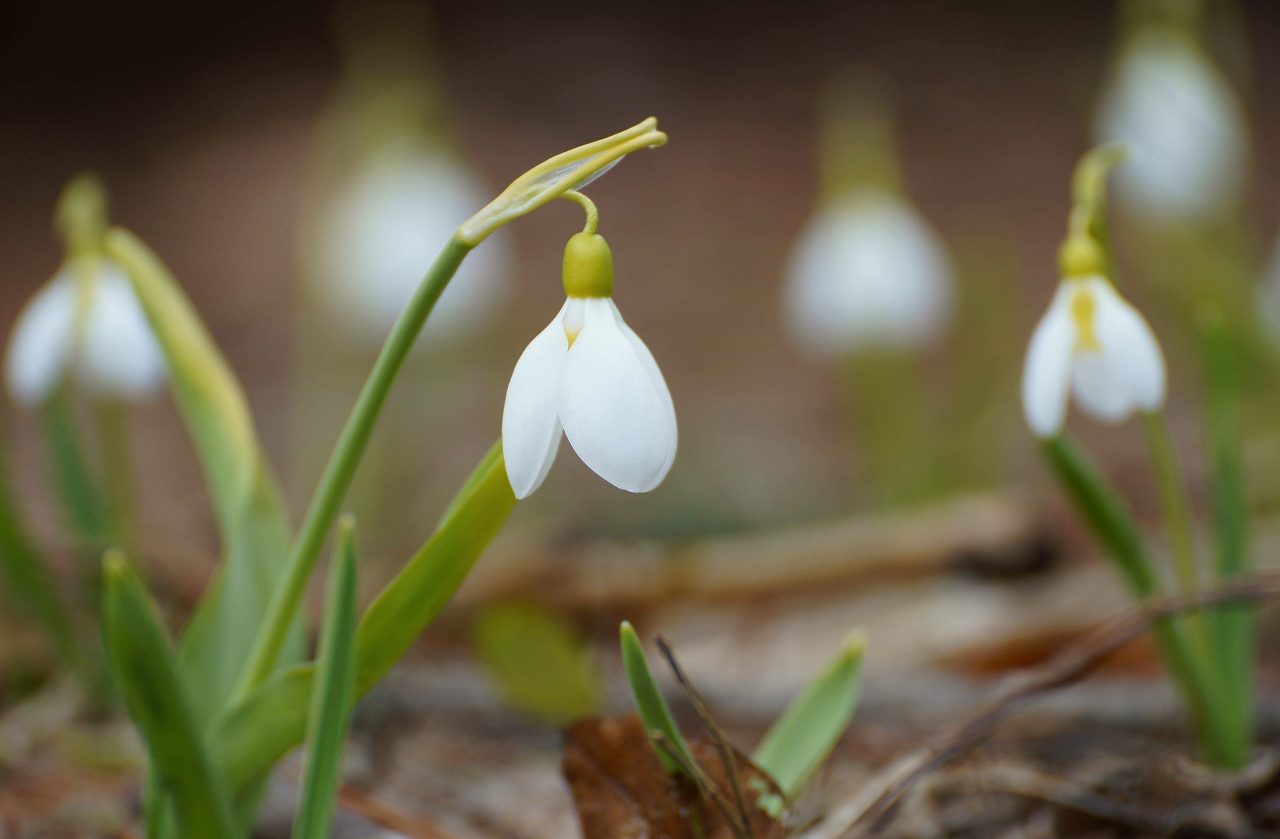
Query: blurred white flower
[868,272]
[108,344]
[1184,128]
[1094,343]
[589,375]
[381,230]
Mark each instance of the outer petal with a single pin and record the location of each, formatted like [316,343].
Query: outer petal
[1046,375]
[618,418]
[1129,373]
[659,383]
[41,341]
[530,425]
[119,355]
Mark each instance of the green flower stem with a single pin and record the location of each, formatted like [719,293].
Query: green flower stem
[1187,662]
[115,447]
[1177,516]
[326,501]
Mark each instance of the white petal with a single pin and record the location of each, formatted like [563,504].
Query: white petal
[119,355]
[1183,125]
[1046,375]
[41,341]
[659,384]
[530,425]
[1129,372]
[869,271]
[617,417]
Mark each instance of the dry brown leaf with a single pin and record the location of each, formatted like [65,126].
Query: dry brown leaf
[621,791]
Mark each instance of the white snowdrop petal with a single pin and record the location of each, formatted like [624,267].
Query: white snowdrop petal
[868,271]
[530,425]
[1127,338]
[1099,385]
[119,355]
[1046,374]
[41,341]
[659,384]
[615,417]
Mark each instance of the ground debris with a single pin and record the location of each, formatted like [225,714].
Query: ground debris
[621,791]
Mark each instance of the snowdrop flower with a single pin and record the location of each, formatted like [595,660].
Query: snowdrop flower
[381,231]
[86,321]
[1183,125]
[588,375]
[868,272]
[1093,343]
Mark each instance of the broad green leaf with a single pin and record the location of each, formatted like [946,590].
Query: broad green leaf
[429,580]
[814,722]
[249,737]
[1232,624]
[329,717]
[142,661]
[539,663]
[73,477]
[31,585]
[246,501]
[650,705]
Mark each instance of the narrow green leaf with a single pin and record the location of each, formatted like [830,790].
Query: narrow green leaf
[246,501]
[72,475]
[330,715]
[1104,512]
[146,674]
[30,582]
[539,663]
[650,705]
[1232,625]
[814,722]
[252,735]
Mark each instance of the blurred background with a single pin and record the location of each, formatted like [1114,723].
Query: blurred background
[226,130]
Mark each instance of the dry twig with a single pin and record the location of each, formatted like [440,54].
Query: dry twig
[874,800]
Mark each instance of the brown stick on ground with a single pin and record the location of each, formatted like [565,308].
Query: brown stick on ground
[385,815]
[862,811]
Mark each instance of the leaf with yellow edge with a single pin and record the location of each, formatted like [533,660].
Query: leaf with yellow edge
[250,514]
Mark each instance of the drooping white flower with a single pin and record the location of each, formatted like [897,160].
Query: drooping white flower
[589,376]
[381,231]
[1183,125]
[868,272]
[108,345]
[1093,343]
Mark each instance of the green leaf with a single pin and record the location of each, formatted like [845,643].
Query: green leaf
[252,735]
[650,705]
[1104,512]
[541,666]
[72,475]
[31,585]
[429,580]
[814,722]
[330,714]
[146,674]
[246,501]
[1232,624]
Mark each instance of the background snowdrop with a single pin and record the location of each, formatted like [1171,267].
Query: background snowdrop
[1181,120]
[86,321]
